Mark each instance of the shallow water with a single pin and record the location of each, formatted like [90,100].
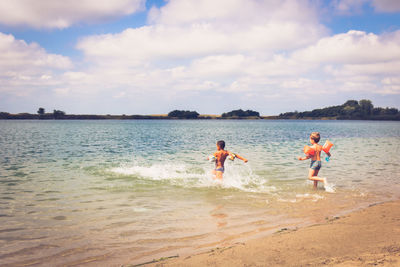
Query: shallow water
[118,192]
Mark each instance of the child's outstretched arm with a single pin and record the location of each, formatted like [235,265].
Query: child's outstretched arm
[240,157]
[303,158]
[327,153]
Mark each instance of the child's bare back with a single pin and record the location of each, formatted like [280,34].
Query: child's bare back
[220,157]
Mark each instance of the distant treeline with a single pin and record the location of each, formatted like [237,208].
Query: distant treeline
[61,115]
[239,113]
[234,114]
[183,114]
[50,116]
[175,114]
[351,110]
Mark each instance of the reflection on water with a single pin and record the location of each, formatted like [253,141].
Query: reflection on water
[116,192]
[219,216]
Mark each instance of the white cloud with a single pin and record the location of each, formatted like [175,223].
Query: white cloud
[353,47]
[62,14]
[238,12]
[356,6]
[160,42]
[218,46]
[386,5]
[355,61]
[24,66]
[17,55]
[373,69]
[210,28]
[391,85]
[217,66]
[377,77]
[348,6]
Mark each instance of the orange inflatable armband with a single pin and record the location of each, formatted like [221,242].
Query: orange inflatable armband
[327,146]
[309,151]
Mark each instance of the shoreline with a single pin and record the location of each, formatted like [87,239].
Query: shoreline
[201,118]
[370,236]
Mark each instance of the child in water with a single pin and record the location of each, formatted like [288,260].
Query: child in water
[315,165]
[220,157]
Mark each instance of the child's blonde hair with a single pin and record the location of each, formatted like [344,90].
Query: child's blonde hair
[315,136]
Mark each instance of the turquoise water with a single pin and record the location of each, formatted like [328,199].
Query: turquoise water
[116,192]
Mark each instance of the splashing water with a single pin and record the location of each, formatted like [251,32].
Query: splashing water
[330,188]
[236,177]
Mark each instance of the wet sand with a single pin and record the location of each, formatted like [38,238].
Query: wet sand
[370,237]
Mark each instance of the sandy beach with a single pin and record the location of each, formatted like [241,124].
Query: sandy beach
[369,237]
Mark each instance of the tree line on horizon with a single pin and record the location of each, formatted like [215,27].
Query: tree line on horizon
[183,114]
[41,114]
[238,113]
[241,114]
[350,110]
[62,115]
[175,114]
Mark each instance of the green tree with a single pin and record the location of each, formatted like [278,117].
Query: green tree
[366,107]
[58,114]
[41,111]
[391,111]
[183,114]
[4,115]
[241,113]
[350,110]
[378,111]
[351,103]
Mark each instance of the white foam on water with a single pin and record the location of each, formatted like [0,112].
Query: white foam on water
[287,200]
[156,171]
[300,197]
[139,209]
[312,197]
[238,176]
[330,188]
[243,178]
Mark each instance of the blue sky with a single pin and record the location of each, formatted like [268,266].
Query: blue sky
[149,57]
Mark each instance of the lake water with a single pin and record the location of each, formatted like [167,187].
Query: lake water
[118,192]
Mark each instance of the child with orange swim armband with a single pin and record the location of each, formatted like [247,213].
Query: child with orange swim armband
[220,156]
[313,152]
